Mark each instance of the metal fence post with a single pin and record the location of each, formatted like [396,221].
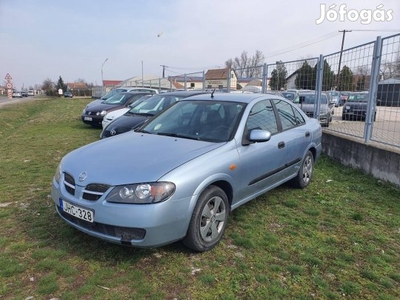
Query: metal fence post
[264,78]
[373,88]
[318,85]
[228,82]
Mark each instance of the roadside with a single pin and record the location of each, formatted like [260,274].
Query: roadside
[5,101]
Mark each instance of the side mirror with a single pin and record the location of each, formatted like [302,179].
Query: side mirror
[258,135]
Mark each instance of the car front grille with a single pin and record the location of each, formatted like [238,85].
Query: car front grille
[92,192]
[69,183]
[126,234]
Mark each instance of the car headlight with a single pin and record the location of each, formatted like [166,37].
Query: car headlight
[57,176]
[142,193]
[102,113]
[347,107]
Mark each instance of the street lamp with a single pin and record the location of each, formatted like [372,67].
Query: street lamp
[102,71]
[158,35]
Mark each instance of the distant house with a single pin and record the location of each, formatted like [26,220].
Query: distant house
[218,79]
[79,89]
[108,85]
[188,82]
[291,80]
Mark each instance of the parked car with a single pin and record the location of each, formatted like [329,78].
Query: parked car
[24,94]
[334,98]
[94,114]
[290,95]
[186,170]
[307,101]
[344,96]
[356,107]
[119,90]
[112,115]
[68,94]
[16,94]
[142,112]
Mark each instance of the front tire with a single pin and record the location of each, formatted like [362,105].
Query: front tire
[305,173]
[209,220]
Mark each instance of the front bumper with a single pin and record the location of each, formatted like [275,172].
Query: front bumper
[145,225]
[93,120]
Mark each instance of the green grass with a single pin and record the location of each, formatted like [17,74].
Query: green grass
[338,238]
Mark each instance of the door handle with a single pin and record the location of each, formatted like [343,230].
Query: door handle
[281,145]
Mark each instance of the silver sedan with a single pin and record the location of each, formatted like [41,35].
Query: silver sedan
[188,168]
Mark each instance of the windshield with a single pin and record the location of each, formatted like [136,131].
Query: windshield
[200,120]
[112,93]
[310,99]
[118,99]
[154,104]
[358,97]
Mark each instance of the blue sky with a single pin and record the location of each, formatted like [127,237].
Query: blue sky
[46,39]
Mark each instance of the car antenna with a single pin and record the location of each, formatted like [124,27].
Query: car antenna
[212,93]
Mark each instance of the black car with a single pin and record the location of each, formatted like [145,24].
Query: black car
[356,107]
[93,114]
[68,95]
[142,112]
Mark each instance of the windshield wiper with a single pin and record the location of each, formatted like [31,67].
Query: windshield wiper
[179,135]
[143,131]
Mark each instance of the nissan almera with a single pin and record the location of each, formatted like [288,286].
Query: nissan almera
[188,168]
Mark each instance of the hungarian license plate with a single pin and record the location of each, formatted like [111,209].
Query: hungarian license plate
[87,118]
[77,211]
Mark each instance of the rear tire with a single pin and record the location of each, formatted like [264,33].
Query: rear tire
[209,220]
[306,171]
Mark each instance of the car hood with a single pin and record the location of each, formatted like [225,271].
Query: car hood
[128,121]
[102,106]
[132,157]
[356,104]
[117,112]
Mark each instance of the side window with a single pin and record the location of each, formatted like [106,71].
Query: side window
[299,118]
[289,117]
[262,116]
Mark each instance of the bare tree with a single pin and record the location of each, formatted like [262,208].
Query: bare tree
[246,66]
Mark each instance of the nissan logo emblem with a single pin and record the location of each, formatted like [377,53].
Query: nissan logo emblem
[82,176]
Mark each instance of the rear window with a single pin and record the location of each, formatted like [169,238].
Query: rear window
[358,98]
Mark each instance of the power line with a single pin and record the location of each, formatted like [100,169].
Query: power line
[281,51]
[302,45]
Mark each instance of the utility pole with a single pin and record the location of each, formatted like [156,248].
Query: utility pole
[340,57]
[163,70]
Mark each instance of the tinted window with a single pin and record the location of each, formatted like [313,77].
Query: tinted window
[358,98]
[289,117]
[262,116]
[311,99]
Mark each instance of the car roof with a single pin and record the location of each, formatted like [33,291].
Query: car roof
[184,93]
[233,97]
